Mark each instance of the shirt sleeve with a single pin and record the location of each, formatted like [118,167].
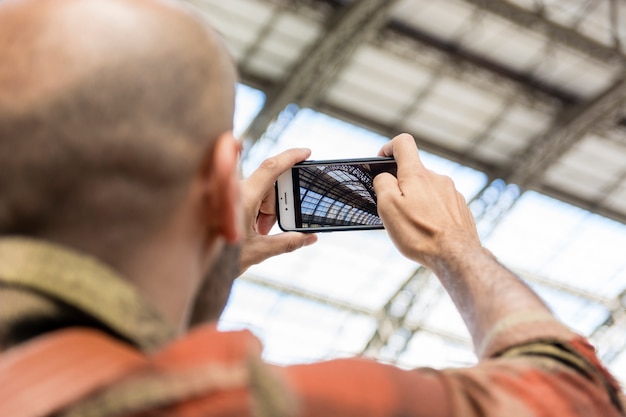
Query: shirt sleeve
[531,366]
[210,373]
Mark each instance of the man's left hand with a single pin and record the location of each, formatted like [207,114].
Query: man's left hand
[259,211]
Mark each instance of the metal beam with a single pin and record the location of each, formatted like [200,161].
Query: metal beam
[393,317]
[569,128]
[558,33]
[460,58]
[319,65]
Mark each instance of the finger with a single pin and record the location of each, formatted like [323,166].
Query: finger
[270,169]
[405,152]
[385,184]
[387,191]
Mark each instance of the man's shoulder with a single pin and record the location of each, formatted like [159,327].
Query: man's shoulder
[79,372]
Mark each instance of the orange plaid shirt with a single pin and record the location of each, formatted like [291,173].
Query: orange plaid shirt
[530,366]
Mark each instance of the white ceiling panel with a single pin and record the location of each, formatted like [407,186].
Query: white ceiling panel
[248,10]
[500,145]
[572,71]
[268,65]
[595,163]
[470,96]
[486,36]
[527,4]
[492,152]
[295,26]
[378,83]
[567,12]
[233,17]
[605,152]
[454,112]
[439,130]
[574,181]
[603,175]
[363,103]
[399,71]
[617,199]
[278,45]
[509,137]
[444,18]
[516,47]
[234,29]
[531,120]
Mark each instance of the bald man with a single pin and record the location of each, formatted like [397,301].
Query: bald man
[123,225]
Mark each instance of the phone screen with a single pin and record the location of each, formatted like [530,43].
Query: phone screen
[338,195]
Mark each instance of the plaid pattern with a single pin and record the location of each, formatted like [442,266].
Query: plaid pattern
[531,365]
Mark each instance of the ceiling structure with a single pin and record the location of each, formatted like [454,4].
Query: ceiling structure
[528,92]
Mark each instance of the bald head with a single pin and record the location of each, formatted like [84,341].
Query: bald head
[106,109]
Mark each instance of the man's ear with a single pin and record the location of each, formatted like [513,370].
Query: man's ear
[220,176]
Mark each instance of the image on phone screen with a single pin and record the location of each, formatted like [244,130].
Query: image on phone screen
[337,195]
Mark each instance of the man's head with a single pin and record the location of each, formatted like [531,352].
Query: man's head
[106,111]
[110,110]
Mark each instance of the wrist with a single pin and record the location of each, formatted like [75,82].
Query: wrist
[453,250]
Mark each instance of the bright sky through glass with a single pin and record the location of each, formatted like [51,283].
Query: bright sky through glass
[325,300]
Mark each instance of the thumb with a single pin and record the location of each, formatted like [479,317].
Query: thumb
[387,191]
[288,242]
[264,247]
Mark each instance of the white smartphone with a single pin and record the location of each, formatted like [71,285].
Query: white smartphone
[331,195]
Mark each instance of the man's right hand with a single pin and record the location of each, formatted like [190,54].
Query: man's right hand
[424,214]
[429,222]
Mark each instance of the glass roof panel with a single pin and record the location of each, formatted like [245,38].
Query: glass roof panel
[249,102]
[429,350]
[562,243]
[576,312]
[294,329]
[361,268]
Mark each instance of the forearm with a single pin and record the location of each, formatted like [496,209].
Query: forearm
[486,293]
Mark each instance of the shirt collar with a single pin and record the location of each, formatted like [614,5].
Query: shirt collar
[86,284]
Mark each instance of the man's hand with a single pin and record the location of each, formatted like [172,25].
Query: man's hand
[424,214]
[429,222]
[259,211]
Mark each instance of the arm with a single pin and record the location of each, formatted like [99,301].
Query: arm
[429,221]
[531,364]
[259,206]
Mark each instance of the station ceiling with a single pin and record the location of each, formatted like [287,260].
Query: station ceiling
[528,91]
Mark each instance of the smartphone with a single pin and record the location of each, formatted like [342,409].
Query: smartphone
[331,195]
